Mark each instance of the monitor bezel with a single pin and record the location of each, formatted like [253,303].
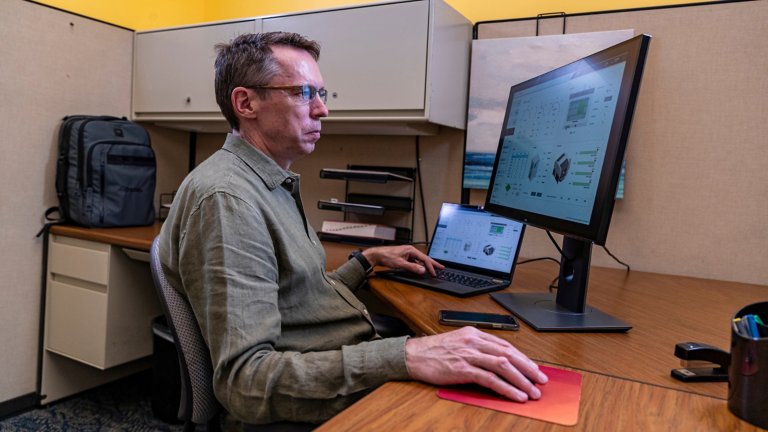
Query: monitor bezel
[505,275]
[596,231]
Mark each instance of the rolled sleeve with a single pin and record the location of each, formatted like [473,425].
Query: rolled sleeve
[370,364]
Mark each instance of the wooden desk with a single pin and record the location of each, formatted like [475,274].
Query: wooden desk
[607,404]
[139,238]
[663,310]
[626,382]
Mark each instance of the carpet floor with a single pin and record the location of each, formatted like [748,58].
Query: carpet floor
[124,405]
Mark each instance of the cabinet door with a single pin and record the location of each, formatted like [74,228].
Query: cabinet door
[372,58]
[173,69]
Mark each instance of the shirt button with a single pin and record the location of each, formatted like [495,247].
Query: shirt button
[365,312]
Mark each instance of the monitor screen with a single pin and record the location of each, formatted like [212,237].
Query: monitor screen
[471,238]
[557,167]
[563,140]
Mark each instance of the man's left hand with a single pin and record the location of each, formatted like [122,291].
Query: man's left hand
[406,257]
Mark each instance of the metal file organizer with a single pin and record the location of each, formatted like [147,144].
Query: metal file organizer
[373,195]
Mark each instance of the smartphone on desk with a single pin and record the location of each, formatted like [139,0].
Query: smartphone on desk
[478,319]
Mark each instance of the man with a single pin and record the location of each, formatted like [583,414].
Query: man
[288,341]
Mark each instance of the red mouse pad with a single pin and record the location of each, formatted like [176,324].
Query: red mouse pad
[559,402]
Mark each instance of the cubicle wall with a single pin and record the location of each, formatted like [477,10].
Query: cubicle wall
[696,178]
[52,64]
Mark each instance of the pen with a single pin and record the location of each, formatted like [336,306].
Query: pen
[741,323]
[736,325]
[762,329]
[753,332]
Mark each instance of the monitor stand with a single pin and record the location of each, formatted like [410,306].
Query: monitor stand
[567,311]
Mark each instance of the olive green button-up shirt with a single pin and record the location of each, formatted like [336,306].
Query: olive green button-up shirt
[288,341]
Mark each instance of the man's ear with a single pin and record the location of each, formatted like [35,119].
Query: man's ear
[244,103]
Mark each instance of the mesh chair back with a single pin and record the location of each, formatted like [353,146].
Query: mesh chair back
[198,402]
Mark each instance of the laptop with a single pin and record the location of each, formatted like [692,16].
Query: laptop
[478,249]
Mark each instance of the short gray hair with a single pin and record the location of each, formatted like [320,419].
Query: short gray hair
[248,61]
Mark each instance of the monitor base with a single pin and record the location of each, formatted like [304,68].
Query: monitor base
[542,313]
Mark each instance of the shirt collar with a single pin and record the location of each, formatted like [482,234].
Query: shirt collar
[262,165]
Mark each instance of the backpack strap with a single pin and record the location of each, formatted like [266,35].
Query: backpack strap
[51,220]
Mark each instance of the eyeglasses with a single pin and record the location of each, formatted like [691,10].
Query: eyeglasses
[306,92]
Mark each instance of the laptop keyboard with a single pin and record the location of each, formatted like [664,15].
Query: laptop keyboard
[462,279]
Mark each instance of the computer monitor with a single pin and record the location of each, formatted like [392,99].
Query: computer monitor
[557,168]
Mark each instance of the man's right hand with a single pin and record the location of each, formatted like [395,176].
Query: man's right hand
[469,355]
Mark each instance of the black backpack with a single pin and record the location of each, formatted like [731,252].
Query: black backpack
[105,172]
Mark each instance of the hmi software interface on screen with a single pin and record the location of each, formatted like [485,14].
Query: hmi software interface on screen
[476,238]
[554,142]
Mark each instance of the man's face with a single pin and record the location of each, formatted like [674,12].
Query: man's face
[287,125]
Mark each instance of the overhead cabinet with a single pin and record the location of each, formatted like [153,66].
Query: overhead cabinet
[372,58]
[390,67]
[173,70]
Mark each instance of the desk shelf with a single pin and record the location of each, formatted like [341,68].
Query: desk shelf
[373,195]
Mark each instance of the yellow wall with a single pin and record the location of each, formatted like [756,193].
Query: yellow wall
[137,14]
[152,14]
[484,10]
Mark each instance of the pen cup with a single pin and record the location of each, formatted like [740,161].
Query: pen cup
[748,372]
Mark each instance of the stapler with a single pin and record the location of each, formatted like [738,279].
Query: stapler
[695,351]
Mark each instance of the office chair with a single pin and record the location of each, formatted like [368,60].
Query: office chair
[198,405]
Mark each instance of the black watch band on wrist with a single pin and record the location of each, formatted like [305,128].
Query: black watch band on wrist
[358,255]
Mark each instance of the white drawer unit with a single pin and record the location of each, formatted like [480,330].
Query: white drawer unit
[100,303]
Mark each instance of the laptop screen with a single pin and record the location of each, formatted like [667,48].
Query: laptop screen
[469,236]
